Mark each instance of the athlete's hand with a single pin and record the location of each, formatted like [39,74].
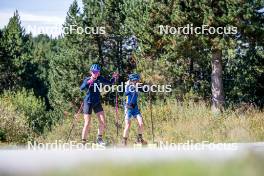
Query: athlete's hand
[90,81]
[115,75]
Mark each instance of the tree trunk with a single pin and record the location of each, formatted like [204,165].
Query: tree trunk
[217,82]
[100,51]
[190,66]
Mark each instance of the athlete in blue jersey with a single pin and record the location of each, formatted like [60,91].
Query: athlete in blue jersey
[92,101]
[131,108]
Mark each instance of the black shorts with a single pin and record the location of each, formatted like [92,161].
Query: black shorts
[88,107]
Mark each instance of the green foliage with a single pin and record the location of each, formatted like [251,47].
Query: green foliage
[13,124]
[65,76]
[28,105]
[24,59]
[13,42]
[184,60]
[54,68]
[43,50]
[245,85]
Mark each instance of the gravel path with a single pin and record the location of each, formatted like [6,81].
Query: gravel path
[22,160]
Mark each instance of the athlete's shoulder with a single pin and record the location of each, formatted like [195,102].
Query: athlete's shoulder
[100,77]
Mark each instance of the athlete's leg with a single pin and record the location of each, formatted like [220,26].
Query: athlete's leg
[86,126]
[102,123]
[140,130]
[87,111]
[140,124]
[127,127]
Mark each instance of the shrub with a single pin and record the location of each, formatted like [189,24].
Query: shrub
[23,116]
[13,127]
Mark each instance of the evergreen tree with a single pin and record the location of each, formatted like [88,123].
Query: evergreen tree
[2,63]
[73,20]
[14,49]
[185,57]
[68,66]
[244,73]
[43,50]
[118,44]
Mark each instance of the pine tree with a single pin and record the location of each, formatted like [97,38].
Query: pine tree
[73,21]
[43,50]
[119,42]
[2,63]
[14,49]
[94,14]
[159,59]
[176,55]
[221,14]
[243,78]
[69,65]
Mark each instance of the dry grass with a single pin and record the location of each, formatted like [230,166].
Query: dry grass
[175,122]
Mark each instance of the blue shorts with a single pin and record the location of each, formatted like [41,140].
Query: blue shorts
[132,113]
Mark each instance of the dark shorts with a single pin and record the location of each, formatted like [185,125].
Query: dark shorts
[88,107]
